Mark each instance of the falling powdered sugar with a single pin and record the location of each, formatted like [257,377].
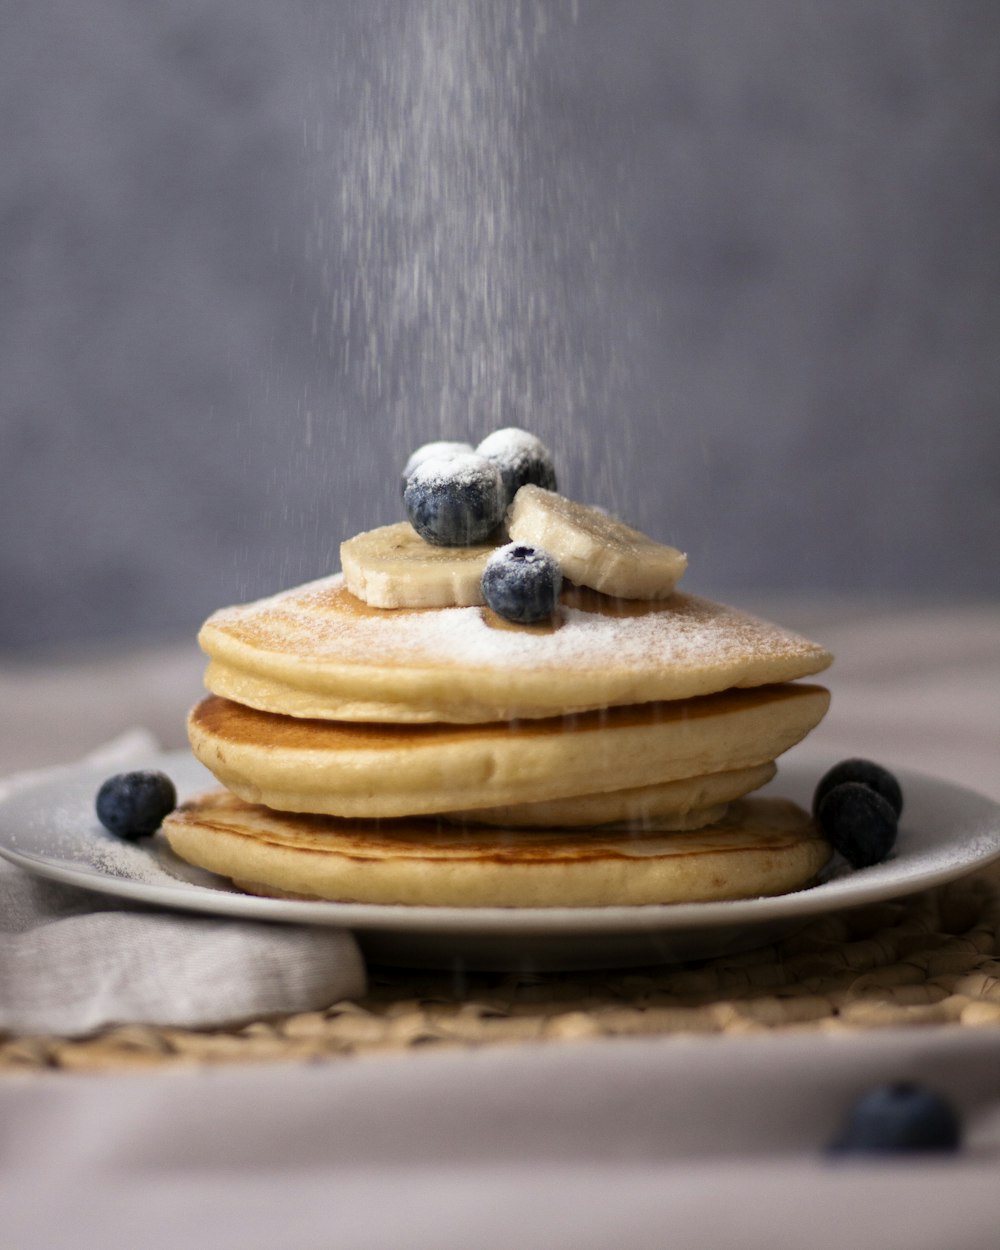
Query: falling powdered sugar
[462,253]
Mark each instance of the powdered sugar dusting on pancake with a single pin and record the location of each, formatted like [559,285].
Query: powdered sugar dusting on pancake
[323,621]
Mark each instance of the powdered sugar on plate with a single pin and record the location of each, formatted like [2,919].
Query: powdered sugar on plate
[50,819]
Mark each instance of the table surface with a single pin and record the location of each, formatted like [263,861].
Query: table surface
[555,1118]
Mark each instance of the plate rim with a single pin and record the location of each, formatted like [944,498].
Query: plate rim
[845,891]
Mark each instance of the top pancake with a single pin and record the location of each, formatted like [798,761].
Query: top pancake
[317,651]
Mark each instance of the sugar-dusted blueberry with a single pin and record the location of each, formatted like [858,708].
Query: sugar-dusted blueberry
[858,823]
[456,501]
[899,1118]
[521,583]
[522,458]
[133,805]
[442,449]
[869,774]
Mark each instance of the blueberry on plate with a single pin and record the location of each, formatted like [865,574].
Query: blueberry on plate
[521,583]
[522,458]
[456,501]
[133,805]
[858,823]
[869,774]
[442,450]
[903,1117]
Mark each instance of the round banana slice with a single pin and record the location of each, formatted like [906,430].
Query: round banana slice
[393,567]
[594,549]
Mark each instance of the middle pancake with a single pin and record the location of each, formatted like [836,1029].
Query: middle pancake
[366,770]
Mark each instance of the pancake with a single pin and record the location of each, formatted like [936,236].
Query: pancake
[762,847]
[380,771]
[317,652]
[686,804]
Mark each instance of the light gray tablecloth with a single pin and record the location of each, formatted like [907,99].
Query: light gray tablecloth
[688,1144]
[699,1143]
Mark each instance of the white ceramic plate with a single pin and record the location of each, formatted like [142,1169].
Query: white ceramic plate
[51,830]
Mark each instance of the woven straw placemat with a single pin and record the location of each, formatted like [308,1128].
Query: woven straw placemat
[928,959]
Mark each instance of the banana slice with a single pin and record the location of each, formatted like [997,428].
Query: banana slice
[594,549]
[393,567]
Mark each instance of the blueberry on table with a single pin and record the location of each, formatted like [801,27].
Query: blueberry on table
[858,823]
[523,459]
[867,773]
[456,501]
[133,805]
[900,1118]
[443,449]
[521,583]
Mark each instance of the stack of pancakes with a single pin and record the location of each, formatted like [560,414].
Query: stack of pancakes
[440,756]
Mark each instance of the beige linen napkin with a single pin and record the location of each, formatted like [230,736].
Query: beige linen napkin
[72,961]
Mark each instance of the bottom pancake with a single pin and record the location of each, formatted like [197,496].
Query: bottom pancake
[761,847]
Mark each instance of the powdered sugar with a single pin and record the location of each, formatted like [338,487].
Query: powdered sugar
[130,861]
[75,837]
[440,449]
[462,469]
[511,443]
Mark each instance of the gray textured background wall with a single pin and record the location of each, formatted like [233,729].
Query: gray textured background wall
[778,276]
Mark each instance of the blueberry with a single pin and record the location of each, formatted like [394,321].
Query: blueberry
[874,775]
[442,449]
[901,1117]
[858,823]
[521,584]
[133,805]
[455,502]
[523,459]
